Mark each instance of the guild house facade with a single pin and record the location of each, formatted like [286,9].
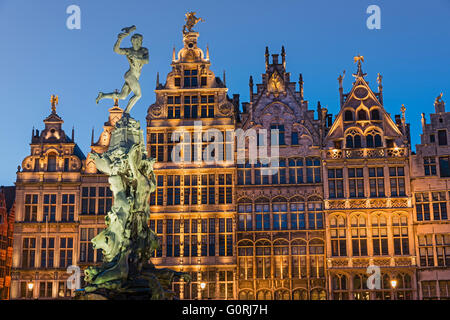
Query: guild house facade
[344,198]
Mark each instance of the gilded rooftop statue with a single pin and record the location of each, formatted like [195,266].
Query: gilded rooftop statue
[191,21]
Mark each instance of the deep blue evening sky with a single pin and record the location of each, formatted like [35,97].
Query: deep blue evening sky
[40,56]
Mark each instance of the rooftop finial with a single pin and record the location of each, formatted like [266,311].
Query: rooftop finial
[54,102]
[300,84]
[116,99]
[358,59]
[157,79]
[224,79]
[173,54]
[207,52]
[267,57]
[191,21]
[283,57]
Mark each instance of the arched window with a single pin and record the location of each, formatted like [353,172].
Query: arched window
[263,259]
[51,165]
[281,259]
[353,140]
[318,294]
[378,142]
[373,139]
[359,236]
[282,294]
[299,294]
[339,287]
[245,260]
[317,258]
[246,295]
[348,115]
[264,295]
[298,256]
[338,236]
[375,114]
[362,115]
[360,290]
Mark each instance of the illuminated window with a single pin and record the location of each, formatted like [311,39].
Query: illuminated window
[225,188]
[443,250]
[316,258]
[262,215]
[173,190]
[281,259]
[298,259]
[279,214]
[245,216]
[339,287]
[245,260]
[263,259]
[315,214]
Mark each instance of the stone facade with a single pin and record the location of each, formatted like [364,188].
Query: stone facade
[346,194]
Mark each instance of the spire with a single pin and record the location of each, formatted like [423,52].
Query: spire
[173,54]
[157,79]
[224,79]
[92,137]
[380,87]
[403,109]
[267,58]
[207,52]
[358,59]
[341,88]
[283,57]
[32,133]
[300,84]
[250,84]
[54,102]
[73,133]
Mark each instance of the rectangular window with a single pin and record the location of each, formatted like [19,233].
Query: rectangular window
[88,200]
[444,167]
[173,190]
[157,145]
[335,183]
[439,205]
[426,250]
[313,170]
[190,78]
[294,138]
[397,179]
[443,250]
[68,207]
[225,189]
[296,171]
[173,107]
[281,133]
[429,165]
[47,252]
[442,137]
[28,252]
[356,182]
[31,205]
[87,252]
[376,182]
[49,207]
[65,252]
[207,106]
[191,107]
[104,200]
[422,206]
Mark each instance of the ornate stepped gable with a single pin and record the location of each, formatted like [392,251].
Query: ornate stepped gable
[192,67]
[52,149]
[276,101]
[363,122]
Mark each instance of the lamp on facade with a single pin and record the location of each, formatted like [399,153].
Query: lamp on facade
[30,288]
[202,285]
[393,285]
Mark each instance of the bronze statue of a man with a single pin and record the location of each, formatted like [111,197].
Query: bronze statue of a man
[137,56]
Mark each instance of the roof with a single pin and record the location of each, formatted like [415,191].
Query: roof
[10,196]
